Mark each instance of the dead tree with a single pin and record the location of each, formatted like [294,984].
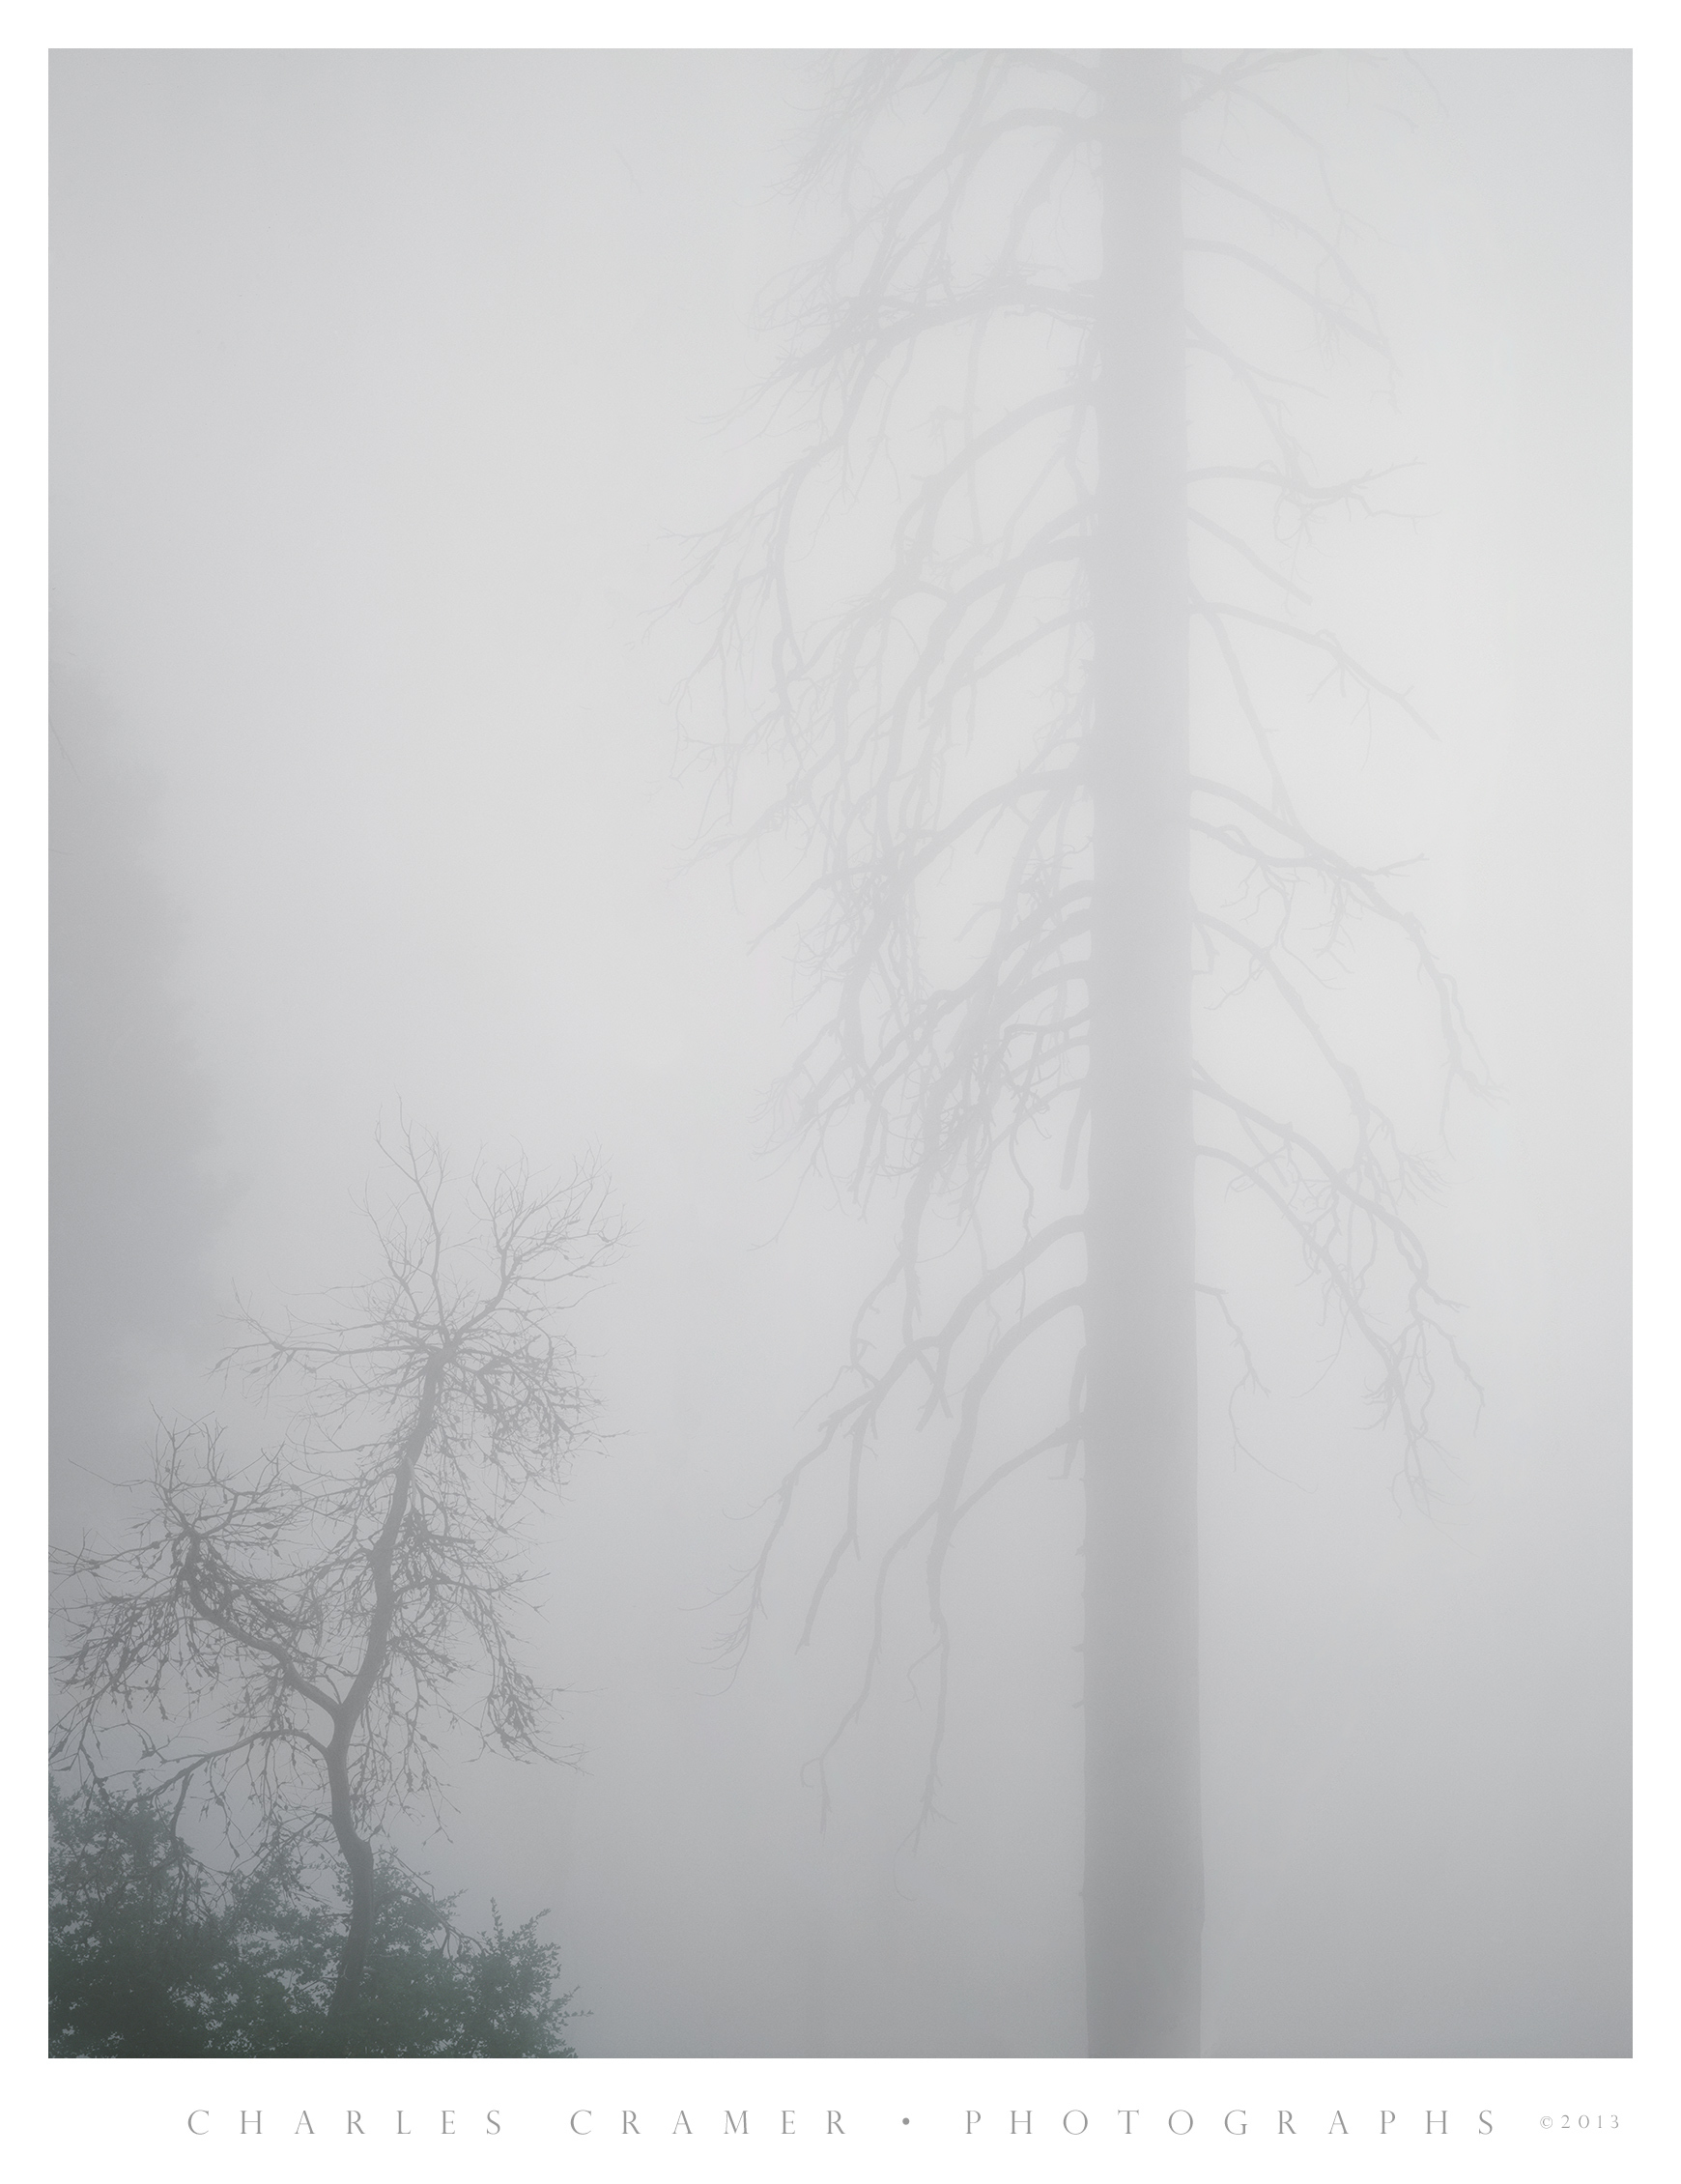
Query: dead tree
[1037,484]
[288,1638]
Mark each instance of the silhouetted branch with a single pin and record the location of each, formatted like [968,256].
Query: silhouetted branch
[922,735]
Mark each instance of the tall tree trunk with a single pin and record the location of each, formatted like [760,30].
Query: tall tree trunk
[1143,1867]
[359,1857]
[356,1849]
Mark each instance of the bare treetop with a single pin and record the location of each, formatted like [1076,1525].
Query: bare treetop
[472,1277]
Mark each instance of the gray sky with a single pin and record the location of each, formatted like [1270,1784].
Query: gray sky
[379,381]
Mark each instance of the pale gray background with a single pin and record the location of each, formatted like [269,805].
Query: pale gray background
[377,381]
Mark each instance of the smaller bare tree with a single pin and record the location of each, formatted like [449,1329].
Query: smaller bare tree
[316,1619]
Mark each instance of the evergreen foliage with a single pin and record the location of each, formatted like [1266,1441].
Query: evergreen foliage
[151,1954]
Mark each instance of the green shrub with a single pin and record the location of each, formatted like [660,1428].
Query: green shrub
[153,1954]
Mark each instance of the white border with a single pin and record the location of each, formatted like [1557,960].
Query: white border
[80,2116]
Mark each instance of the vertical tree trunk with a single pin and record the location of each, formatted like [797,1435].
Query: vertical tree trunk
[1143,1867]
[358,1851]
[359,1858]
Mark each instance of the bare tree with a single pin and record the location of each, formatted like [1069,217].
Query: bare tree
[1038,485]
[300,1630]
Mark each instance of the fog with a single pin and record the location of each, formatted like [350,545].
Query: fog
[385,388]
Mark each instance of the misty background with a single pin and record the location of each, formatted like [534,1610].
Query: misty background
[382,385]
